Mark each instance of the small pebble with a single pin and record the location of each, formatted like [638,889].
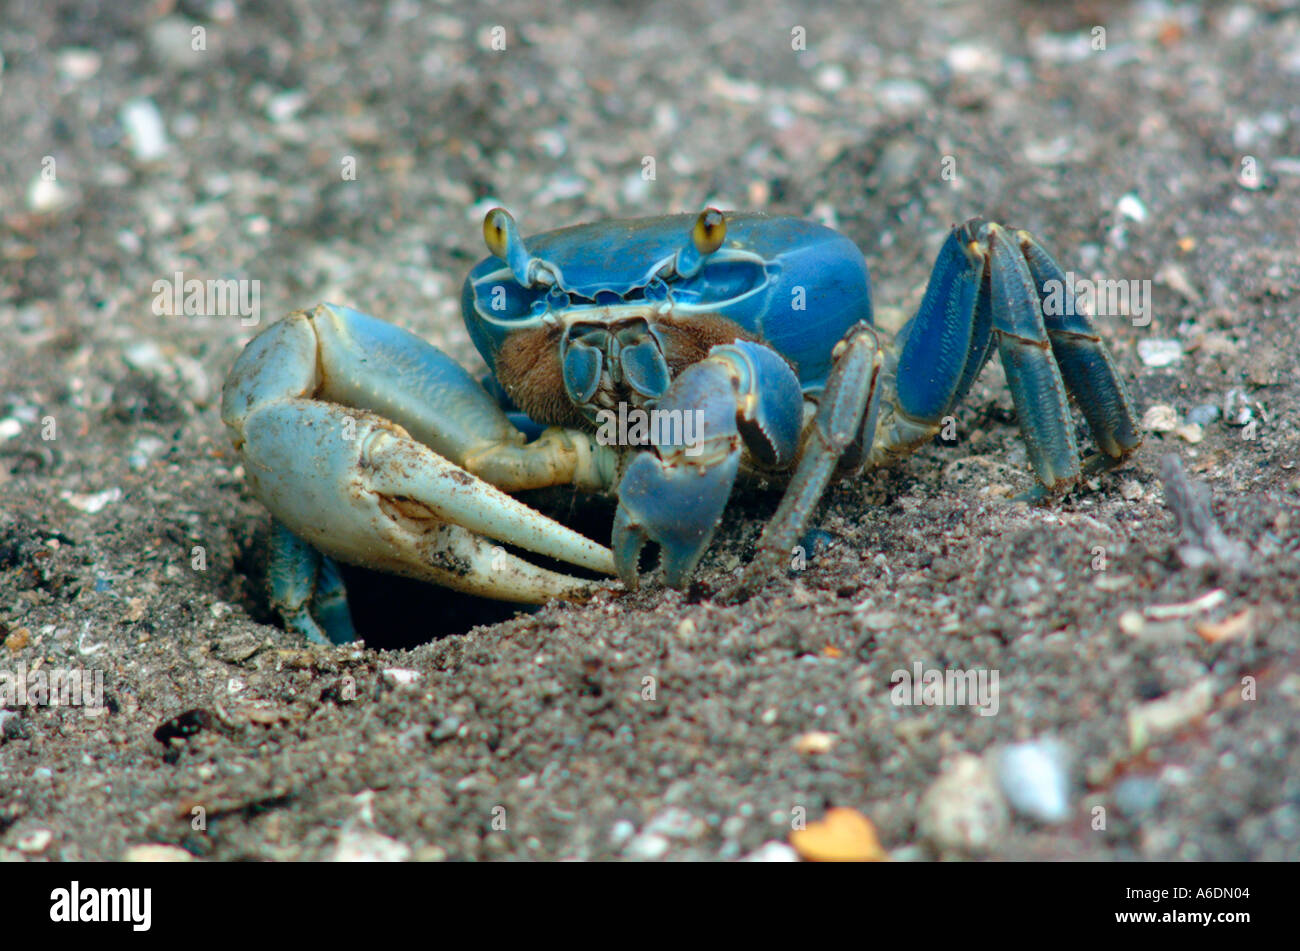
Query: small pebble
[147,357]
[401,677]
[1156,633]
[1239,625]
[172,41]
[552,142]
[145,448]
[364,846]
[1160,418]
[815,743]
[636,188]
[46,196]
[35,842]
[1034,777]
[1236,408]
[620,832]
[78,63]
[1131,207]
[90,504]
[676,824]
[831,78]
[1058,48]
[1203,415]
[286,105]
[1191,433]
[1160,353]
[963,810]
[733,828]
[967,58]
[647,847]
[129,242]
[144,126]
[824,213]
[156,852]
[1132,623]
[772,852]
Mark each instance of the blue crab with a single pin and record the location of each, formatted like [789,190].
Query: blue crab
[372,447]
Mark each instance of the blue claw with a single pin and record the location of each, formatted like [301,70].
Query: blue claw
[678,507]
[742,393]
[770,403]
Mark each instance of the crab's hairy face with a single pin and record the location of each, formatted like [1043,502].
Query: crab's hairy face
[531,363]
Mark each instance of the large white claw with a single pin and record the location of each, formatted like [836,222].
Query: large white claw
[359,489]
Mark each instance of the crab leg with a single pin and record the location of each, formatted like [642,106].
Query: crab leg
[939,352]
[381,485]
[844,426]
[984,294]
[1086,364]
[302,579]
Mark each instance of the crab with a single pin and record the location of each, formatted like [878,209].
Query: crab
[748,337]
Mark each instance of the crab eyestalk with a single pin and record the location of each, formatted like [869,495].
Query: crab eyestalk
[503,239]
[707,235]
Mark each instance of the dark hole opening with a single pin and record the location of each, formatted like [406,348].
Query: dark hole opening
[393,613]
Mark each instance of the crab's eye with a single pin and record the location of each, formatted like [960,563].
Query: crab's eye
[495,229]
[710,231]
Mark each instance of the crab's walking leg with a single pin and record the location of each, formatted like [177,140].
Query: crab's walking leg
[399,491]
[843,427]
[984,295]
[304,581]
[741,393]
[1086,364]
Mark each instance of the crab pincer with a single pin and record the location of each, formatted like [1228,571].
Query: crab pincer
[746,398]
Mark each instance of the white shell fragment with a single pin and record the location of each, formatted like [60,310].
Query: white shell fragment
[144,127]
[1132,208]
[1160,353]
[90,504]
[1035,779]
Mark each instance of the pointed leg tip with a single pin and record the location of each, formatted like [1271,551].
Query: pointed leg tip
[301,622]
[627,542]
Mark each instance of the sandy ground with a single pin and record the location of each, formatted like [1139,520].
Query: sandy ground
[346,152]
